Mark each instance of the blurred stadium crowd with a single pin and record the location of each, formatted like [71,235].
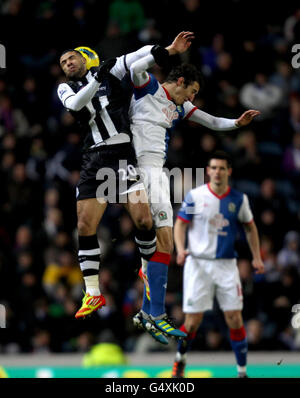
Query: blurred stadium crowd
[244,52]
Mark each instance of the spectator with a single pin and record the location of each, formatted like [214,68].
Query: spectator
[209,54]
[272,211]
[247,160]
[129,14]
[30,102]
[207,143]
[150,34]
[255,336]
[113,43]
[12,119]
[285,80]
[288,121]
[249,58]
[291,159]
[176,153]
[65,270]
[289,255]
[261,95]
[290,24]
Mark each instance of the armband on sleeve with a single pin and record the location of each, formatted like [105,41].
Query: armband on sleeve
[161,55]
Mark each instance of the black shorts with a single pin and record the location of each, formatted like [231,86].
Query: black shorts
[108,172]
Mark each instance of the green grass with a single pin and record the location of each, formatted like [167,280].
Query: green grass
[192,371]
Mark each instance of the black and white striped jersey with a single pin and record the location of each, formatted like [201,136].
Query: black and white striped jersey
[103,113]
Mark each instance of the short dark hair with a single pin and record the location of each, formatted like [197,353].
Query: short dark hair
[189,72]
[70,50]
[221,155]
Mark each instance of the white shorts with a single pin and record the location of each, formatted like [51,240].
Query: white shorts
[203,279]
[158,190]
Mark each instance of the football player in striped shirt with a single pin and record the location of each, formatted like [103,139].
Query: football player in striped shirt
[98,98]
[210,214]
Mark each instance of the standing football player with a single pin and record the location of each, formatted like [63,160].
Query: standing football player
[211,214]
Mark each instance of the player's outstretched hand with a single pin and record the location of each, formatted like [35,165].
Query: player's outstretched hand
[258,265]
[104,68]
[181,43]
[246,117]
[181,256]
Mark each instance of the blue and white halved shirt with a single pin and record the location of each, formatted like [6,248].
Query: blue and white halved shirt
[214,221]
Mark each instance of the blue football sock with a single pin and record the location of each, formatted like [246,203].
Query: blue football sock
[239,345]
[146,302]
[185,344]
[157,273]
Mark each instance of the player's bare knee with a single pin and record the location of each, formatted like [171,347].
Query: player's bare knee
[191,327]
[234,319]
[144,221]
[193,322]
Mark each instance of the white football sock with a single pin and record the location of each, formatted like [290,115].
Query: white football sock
[92,285]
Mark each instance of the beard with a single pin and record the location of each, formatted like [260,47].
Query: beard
[76,74]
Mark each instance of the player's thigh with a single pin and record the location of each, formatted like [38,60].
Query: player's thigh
[158,190]
[160,203]
[198,286]
[162,214]
[89,214]
[228,285]
[164,241]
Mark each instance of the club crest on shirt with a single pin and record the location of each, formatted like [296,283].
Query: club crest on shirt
[180,110]
[190,302]
[170,113]
[231,207]
[61,91]
[218,222]
[162,215]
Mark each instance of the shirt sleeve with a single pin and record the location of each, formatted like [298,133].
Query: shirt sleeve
[149,87]
[245,215]
[138,70]
[64,91]
[76,101]
[189,109]
[123,64]
[205,119]
[187,209]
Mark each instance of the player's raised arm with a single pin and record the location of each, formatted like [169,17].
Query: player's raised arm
[218,123]
[124,62]
[159,55]
[181,43]
[138,70]
[246,117]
